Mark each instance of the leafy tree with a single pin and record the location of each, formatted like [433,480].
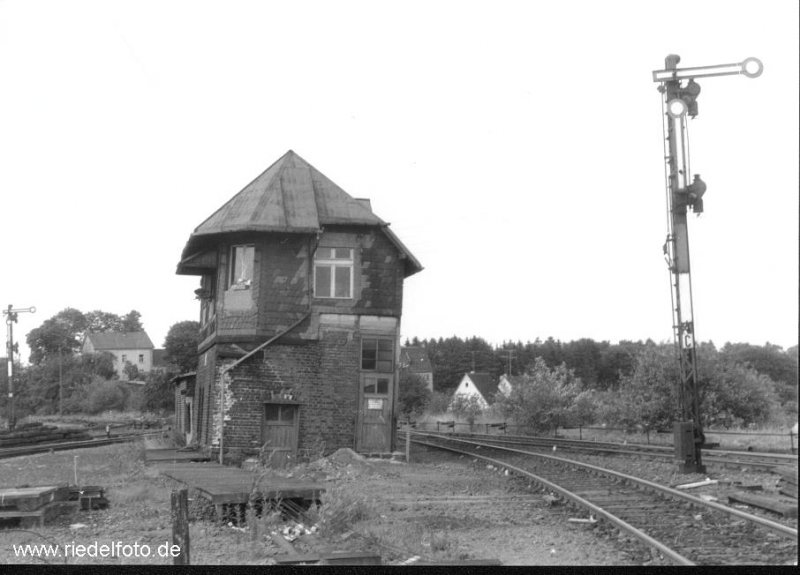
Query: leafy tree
[64,332]
[617,361]
[583,356]
[729,391]
[131,371]
[59,334]
[132,321]
[647,397]
[465,406]
[768,359]
[38,384]
[439,402]
[413,395]
[98,321]
[181,345]
[546,398]
[159,393]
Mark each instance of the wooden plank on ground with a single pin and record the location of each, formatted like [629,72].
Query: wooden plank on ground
[334,558]
[763,502]
[788,472]
[462,562]
[791,491]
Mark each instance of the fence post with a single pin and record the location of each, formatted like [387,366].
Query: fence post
[791,441]
[647,431]
[180,526]
[408,444]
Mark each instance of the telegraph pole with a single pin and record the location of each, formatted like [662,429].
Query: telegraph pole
[11,348]
[680,92]
[510,354]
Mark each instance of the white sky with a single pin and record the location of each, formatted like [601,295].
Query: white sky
[516,147]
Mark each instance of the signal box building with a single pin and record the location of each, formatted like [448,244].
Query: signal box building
[301,293]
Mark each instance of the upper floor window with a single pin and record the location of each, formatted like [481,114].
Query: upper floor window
[141,358]
[241,267]
[124,358]
[377,354]
[333,273]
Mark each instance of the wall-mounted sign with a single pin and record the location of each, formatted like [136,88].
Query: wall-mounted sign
[375,404]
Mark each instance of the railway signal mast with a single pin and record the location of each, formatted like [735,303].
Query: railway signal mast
[11,349]
[685,191]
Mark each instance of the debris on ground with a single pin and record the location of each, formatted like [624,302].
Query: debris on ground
[697,484]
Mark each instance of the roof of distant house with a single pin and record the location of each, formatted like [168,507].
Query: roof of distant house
[485,383]
[120,340]
[291,196]
[415,360]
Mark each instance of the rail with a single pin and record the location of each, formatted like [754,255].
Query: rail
[433,440]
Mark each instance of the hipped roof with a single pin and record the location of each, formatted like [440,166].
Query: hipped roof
[291,196]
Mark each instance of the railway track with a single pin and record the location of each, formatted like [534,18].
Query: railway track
[676,526]
[725,458]
[61,446]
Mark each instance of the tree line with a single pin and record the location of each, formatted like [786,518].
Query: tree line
[631,383]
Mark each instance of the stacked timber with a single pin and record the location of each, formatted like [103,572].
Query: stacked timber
[33,505]
[34,433]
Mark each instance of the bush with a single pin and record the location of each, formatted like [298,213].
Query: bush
[97,396]
[468,407]
[439,402]
[413,396]
[159,394]
[340,508]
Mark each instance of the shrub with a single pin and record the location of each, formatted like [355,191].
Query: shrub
[547,398]
[340,508]
[97,396]
[413,395]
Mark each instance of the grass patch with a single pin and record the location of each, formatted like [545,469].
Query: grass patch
[340,509]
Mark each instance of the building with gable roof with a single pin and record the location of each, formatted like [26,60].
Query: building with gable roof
[301,289]
[480,385]
[133,346]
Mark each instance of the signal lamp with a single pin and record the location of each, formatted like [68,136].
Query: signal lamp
[677,108]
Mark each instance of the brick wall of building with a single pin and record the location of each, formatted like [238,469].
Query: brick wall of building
[324,377]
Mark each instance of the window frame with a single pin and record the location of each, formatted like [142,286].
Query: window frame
[232,282]
[332,264]
[377,360]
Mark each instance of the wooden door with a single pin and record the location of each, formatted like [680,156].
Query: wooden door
[375,413]
[279,431]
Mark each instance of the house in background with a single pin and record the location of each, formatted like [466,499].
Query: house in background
[301,293]
[134,347]
[480,385]
[507,383]
[415,360]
